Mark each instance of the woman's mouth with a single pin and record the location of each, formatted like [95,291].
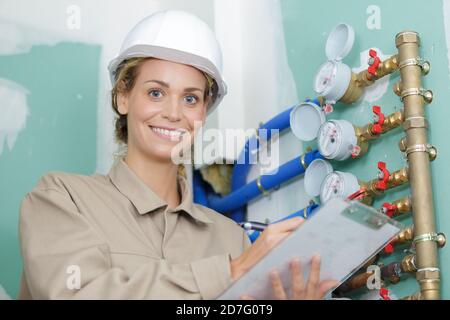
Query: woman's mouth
[168,133]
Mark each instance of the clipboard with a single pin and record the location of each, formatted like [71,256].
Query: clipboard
[345,233]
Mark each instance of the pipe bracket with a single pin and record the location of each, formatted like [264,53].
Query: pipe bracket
[426,94]
[423,64]
[302,161]
[264,192]
[428,148]
[433,236]
[305,213]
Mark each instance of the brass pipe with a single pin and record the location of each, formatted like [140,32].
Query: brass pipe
[408,263]
[407,43]
[395,179]
[400,207]
[386,67]
[403,205]
[405,235]
[364,79]
[390,122]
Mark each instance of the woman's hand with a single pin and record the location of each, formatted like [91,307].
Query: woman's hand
[269,238]
[314,289]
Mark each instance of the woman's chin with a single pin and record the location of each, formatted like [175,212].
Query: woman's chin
[161,153]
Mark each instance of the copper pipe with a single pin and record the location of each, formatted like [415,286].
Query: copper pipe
[390,272]
[408,43]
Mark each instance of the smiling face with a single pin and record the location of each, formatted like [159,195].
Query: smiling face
[165,105]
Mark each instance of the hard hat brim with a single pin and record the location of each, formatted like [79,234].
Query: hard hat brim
[173,55]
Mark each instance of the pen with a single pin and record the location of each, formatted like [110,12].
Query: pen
[253,225]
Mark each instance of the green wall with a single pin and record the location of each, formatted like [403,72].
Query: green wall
[60,132]
[307,24]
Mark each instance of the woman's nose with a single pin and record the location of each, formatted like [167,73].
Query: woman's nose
[172,110]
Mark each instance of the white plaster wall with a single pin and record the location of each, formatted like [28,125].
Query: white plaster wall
[25,23]
[260,86]
[255,63]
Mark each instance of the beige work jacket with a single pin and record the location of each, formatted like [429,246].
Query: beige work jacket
[111,237]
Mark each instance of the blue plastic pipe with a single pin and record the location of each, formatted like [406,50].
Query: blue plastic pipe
[242,167]
[305,213]
[244,194]
[199,189]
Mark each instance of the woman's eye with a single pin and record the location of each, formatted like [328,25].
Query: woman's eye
[190,99]
[155,94]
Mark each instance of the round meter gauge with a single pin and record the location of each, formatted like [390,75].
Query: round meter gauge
[333,77]
[338,185]
[336,139]
[332,80]
[325,77]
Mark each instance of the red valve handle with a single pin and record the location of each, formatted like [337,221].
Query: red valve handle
[389,247]
[389,209]
[374,62]
[382,181]
[377,126]
[384,294]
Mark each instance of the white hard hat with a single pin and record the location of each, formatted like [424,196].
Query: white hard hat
[176,36]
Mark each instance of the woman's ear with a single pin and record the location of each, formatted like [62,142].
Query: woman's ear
[122,100]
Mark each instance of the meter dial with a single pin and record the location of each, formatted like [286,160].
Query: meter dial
[332,187]
[329,139]
[337,139]
[325,77]
[338,185]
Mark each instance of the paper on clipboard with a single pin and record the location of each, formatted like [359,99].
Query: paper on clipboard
[346,234]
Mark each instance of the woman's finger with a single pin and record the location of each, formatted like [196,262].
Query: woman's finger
[325,286]
[298,284]
[314,277]
[277,286]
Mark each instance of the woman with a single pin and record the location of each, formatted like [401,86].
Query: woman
[135,233]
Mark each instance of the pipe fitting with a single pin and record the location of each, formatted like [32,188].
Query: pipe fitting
[373,190]
[408,263]
[407,37]
[390,122]
[415,296]
[403,205]
[429,280]
[415,122]
[364,79]
[397,178]
[393,120]
[402,144]
[398,88]
[405,235]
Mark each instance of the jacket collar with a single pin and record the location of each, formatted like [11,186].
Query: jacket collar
[144,199]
